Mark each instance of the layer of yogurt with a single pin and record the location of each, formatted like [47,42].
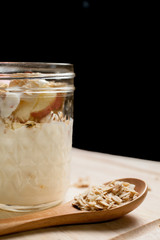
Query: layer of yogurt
[35,163]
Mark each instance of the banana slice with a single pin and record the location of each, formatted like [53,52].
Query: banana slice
[8,103]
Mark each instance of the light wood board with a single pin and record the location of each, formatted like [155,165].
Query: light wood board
[101,168]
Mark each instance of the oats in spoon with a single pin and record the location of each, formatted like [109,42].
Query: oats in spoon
[106,196]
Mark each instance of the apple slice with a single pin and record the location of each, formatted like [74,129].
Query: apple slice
[24,109]
[45,104]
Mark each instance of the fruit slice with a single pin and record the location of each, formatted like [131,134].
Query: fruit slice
[8,103]
[37,107]
[45,104]
[24,109]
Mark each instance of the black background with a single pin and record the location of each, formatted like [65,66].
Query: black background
[114,49]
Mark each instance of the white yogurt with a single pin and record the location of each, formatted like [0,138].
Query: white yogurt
[35,163]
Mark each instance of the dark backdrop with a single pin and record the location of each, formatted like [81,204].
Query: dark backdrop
[114,49]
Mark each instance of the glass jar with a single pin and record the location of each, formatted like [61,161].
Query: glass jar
[36,118]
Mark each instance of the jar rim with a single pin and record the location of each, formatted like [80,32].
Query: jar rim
[15,70]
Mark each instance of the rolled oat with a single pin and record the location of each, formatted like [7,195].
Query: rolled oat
[106,196]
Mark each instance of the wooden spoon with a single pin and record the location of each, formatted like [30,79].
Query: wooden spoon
[65,214]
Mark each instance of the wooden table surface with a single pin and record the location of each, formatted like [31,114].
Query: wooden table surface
[100,168]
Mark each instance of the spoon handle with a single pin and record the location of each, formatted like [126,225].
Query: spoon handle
[60,215]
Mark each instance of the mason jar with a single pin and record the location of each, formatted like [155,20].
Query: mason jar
[36,119]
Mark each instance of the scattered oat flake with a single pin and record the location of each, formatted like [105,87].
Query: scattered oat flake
[82,183]
[107,196]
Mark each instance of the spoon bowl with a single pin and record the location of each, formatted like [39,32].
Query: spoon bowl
[65,214]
